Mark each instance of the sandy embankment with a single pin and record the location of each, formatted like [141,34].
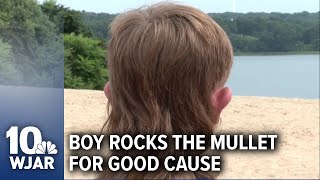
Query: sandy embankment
[295,120]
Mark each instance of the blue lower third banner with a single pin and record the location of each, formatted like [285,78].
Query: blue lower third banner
[31,133]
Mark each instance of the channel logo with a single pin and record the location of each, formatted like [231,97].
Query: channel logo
[39,155]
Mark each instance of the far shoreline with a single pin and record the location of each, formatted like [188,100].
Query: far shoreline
[234,95]
[276,53]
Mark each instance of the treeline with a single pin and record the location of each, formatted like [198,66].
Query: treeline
[36,38]
[271,32]
[249,32]
[48,45]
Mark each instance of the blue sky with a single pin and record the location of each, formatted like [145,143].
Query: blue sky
[116,6]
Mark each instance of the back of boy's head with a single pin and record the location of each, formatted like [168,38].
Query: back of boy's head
[164,62]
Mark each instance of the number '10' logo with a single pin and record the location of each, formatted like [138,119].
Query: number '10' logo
[12,134]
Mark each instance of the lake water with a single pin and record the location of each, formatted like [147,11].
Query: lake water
[292,76]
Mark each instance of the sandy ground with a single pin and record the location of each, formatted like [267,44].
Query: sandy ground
[295,120]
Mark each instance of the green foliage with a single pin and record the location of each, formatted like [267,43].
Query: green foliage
[84,62]
[7,70]
[244,43]
[250,32]
[5,50]
[271,32]
[36,52]
[73,23]
[55,13]
[67,20]
[98,23]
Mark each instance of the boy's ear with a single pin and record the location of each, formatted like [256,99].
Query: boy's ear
[221,98]
[107,90]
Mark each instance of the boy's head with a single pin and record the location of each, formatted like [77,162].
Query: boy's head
[168,64]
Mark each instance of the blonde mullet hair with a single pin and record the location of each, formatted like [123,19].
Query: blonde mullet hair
[164,62]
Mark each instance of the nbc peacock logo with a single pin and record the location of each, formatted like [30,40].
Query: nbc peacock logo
[46,147]
[39,156]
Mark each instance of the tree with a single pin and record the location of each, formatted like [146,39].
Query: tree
[84,62]
[37,54]
[8,72]
[66,20]
[98,23]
